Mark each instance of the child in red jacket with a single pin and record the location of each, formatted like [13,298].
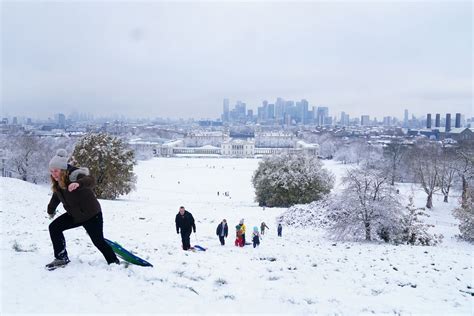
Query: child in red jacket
[239,240]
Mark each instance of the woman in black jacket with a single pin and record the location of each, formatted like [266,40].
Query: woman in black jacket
[222,231]
[73,188]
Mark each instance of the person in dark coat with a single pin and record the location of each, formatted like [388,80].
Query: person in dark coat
[262,228]
[184,223]
[72,187]
[222,231]
[279,229]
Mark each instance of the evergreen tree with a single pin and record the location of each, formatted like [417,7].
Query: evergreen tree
[110,161]
[414,231]
[465,215]
[289,179]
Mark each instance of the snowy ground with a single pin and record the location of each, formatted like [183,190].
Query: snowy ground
[302,272]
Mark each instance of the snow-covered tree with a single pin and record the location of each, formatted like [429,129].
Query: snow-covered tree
[27,157]
[448,172]
[427,167]
[110,161]
[465,215]
[289,179]
[327,146]
[22,153]
[413,230]
[465,169]
[358,152]
[394,152]
[367,205]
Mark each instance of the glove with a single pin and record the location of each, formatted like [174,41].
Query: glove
[177,232]
[194,231]
[51,215]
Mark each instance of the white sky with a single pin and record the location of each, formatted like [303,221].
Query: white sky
[166,59]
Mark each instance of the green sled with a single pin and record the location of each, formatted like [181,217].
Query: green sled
[127,255]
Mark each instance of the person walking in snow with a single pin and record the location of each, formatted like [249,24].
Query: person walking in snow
[222,231]
[72,187]
[262,228]
[242,228]
[255,237]
[184,223]
[238,236]
[279,229]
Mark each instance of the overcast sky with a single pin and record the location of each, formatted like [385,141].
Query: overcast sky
[153,59]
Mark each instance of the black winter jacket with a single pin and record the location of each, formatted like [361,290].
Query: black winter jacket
[185,222]
[219,230]
[81,203]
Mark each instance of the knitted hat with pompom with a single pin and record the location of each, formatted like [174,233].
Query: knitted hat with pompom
[59,161]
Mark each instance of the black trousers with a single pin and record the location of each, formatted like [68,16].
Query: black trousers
[256,241]
[185,239]
[221,239]
[94,228]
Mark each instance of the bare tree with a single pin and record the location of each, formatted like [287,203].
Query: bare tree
[448,172]
[394,151]
[358,151]
[28,155]
[327,145]
[465,169]
[428,170]
[23,151]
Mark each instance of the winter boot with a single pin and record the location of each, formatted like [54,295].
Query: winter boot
[57,263]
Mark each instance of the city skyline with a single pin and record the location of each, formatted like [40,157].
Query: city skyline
[181,59]
[340,118]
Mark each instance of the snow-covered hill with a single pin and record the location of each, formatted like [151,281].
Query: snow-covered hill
[302,272]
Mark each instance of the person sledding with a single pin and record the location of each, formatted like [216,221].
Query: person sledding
[239,241]
[72,187]
[184,224]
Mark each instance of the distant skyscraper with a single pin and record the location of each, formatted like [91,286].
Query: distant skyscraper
[60,119]
[405,119]
[271,111]
[265,110]
[322,115]
[387,121]
[279,108]
[250,115]
[343,116]
[302,111]
[438,120]
[225,115]
[428,121]
[365,120]
[344,119]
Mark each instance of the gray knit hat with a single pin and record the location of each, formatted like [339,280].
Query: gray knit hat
[59,161]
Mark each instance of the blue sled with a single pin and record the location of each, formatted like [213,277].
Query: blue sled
[199,248]
[127,255]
